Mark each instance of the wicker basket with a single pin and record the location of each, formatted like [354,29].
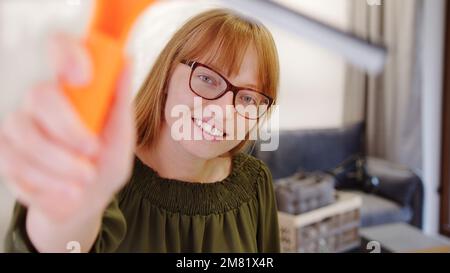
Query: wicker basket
[333,228]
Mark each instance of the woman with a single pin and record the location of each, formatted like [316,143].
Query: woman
[188,194]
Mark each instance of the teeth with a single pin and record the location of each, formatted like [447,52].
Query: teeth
[208,128]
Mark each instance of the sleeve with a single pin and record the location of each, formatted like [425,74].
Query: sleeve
[112,231]
[268,231]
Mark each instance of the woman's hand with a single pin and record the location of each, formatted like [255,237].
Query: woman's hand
[50,161]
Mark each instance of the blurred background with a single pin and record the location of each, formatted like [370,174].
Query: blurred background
[384,136]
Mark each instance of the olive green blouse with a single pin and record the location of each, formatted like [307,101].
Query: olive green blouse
[155,214]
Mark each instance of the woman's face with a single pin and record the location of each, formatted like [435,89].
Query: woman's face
[207,128]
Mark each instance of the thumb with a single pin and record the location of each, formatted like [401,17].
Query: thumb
[70,59]
[119,125]
[120,115]
[118,136]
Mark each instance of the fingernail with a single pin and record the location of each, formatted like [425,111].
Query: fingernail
[74,74]
[67,61]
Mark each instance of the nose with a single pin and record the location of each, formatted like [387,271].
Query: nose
[225,103]
[221,109]
[226,99]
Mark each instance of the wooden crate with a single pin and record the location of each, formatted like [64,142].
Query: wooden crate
[333,228]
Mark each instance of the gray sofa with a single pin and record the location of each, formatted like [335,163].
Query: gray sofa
[397,195]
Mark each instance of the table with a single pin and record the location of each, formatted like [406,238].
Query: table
[401,238]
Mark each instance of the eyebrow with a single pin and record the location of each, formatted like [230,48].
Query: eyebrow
[215,68]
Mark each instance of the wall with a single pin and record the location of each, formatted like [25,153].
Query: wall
[432,79]
[312,79]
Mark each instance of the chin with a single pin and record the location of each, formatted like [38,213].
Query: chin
[204,150]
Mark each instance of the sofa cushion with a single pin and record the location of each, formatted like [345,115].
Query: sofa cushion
[396,182]
[311,150]
[377,210]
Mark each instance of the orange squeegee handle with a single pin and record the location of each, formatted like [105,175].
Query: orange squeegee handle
[105,44]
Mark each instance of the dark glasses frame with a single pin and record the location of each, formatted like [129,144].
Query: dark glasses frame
[230,87]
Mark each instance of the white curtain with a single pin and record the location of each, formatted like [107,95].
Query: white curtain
[392,100]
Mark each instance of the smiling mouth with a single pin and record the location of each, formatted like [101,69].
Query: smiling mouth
[208,128]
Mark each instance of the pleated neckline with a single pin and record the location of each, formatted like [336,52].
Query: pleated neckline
[192,198]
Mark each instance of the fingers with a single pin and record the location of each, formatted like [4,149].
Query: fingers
[29,183]
[54,114]
[22,193]
[70,59]
[47,103]
[43,143]
[44,146]
[42,152]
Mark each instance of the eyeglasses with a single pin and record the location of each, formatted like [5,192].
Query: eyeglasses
[211,85]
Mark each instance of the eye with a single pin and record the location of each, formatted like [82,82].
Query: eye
[206,79]
[248,100]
